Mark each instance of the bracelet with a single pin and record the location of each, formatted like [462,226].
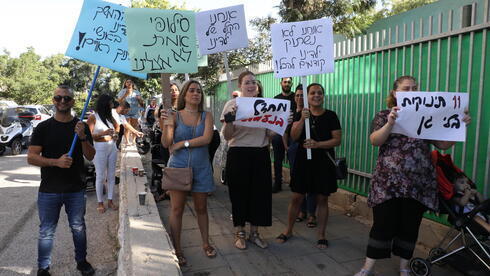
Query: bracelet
[83,140]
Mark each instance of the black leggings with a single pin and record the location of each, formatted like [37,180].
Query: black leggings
[395,228]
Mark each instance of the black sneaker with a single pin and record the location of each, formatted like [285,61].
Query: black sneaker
[85,268]
[43,272]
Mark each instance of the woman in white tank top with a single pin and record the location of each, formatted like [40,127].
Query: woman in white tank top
[104,131]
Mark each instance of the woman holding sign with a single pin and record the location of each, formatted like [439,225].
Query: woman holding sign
[403,185]
[187,134]
[318,174]
[248,169]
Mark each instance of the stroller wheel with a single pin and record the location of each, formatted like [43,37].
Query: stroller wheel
[435,253]
[420,267]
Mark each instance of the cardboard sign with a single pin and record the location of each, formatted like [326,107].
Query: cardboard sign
[302,48]
[222,29]
[267,113]
[162,41]
[431,115]
[100,37]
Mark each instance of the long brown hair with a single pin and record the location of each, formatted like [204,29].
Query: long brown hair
[391,100]
[181,99]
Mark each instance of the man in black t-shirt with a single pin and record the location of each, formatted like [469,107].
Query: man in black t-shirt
[279,143]
[61,178]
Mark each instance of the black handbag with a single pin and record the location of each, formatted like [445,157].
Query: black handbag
[340,166]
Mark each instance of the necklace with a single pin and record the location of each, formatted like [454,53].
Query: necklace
[191,111]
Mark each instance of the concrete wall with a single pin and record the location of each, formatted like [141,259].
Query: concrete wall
[145,245]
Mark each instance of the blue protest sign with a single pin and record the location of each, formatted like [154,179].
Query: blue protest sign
[100,37]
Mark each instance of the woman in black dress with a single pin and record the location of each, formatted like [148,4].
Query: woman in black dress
[318,174]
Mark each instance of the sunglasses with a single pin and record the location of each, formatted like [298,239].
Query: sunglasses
[58,98]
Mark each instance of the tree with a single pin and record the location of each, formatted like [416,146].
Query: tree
[350,17]
[393,7]
[28,80]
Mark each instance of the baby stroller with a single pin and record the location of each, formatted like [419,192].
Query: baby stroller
[472,257]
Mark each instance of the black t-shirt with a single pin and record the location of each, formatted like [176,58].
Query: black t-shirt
[290,98]
[321,128]
[55,138]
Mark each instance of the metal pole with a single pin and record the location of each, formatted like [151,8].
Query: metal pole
[87,101]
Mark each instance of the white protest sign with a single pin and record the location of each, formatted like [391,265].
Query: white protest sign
[302,48]
[431,115]
[267,113]
[221,30]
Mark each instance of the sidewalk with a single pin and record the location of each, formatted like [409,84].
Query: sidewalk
[20,224]
[299,256]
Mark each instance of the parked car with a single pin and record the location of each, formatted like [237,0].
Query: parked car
[40,113]
[15,128]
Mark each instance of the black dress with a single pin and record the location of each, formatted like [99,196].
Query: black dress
[318,174]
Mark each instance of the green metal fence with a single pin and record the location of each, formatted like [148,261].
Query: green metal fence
[365,68]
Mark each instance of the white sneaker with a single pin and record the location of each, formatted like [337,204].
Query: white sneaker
[365,272]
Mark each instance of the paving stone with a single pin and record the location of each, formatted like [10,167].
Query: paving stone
[219,271]
[315,264]
[197,261]
[255,262]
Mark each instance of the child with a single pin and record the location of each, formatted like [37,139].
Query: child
[468,197]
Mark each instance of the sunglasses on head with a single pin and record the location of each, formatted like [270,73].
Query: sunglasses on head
[65,98]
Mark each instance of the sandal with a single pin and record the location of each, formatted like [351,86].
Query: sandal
[209,251]
[322,244]
[240,240]
[181,259]
[311,222]
[101,209]
[254,238]
[112,206]
[301,217]
[282,238]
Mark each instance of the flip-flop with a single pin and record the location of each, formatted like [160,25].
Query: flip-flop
[322,242]
[101,209]
[282,238]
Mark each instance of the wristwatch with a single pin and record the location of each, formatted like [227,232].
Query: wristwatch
[82,140]
[186,144]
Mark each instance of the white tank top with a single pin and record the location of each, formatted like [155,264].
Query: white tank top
[100,126]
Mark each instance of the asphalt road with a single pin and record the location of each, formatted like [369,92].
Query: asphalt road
[19,224]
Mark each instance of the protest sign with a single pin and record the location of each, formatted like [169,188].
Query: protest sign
[267,113]
[100,37]
[221,30]
[431,115]
[302,48]
[162,41]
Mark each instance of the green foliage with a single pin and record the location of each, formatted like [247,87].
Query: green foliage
[350,17]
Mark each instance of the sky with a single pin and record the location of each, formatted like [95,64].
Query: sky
[47,25]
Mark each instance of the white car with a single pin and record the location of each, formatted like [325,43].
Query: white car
[40,113]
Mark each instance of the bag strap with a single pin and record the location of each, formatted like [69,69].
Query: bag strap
[330,157]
